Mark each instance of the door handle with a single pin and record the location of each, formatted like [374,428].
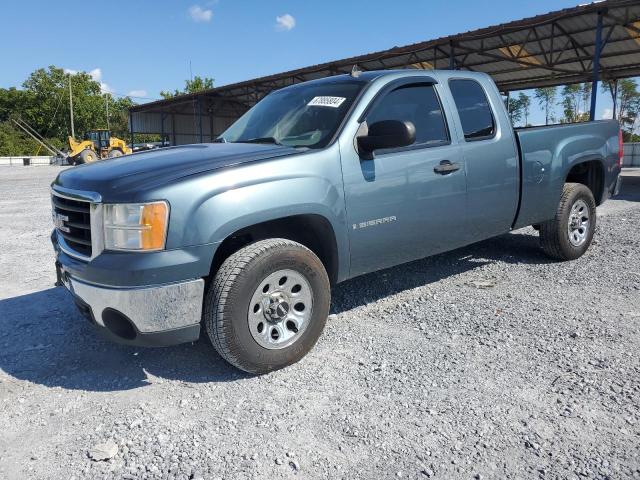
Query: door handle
[446,167]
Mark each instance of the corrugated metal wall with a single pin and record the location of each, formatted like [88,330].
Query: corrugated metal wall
[190,122]
[631,155]
[180,129]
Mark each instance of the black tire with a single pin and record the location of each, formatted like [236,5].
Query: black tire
[228,299]
[554,234]
[87,156]
[116,152]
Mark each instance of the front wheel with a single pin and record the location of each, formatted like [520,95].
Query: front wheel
[569,234]
[87,156]
[267,305]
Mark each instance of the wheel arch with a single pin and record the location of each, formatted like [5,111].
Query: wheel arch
[312,230]
[590,172]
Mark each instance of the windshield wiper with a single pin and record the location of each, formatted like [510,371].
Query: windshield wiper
[261,140]
[220,139]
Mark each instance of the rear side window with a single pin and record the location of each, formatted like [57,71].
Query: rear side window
[473,109]
[416,103]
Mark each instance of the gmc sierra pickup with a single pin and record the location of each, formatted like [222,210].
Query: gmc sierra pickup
[317,183]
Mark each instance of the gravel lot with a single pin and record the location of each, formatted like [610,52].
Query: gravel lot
[487,362]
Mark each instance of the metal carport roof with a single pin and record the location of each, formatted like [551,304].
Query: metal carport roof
[551,49]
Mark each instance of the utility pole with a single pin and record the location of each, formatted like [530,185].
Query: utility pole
[73,131]
[106,103]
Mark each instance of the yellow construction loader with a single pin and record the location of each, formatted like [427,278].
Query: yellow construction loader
[98,144]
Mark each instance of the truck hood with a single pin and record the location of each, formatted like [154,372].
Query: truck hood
[148,170]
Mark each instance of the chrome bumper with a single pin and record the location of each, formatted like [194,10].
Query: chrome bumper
[152,310]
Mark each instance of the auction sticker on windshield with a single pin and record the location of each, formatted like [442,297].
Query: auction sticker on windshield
[333,102]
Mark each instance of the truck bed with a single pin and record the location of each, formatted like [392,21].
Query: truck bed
[547,155]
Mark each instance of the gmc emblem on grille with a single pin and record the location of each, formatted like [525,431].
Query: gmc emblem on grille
[58,222]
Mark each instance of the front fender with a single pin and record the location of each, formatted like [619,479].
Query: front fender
[212,207]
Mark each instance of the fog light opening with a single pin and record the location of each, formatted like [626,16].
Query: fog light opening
[118,324]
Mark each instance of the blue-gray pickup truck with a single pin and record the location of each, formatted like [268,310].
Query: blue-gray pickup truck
[319,182]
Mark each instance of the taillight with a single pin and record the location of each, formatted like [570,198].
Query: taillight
[620,149]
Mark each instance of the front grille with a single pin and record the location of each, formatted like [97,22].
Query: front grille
[72,219]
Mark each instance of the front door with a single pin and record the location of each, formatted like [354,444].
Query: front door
[409,202]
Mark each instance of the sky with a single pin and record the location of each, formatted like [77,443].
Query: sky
[140,47]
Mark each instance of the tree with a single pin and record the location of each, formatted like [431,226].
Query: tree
[525,103]
[571,102]
[585,91]
[14,142]
[576,102]
[627,99]
[48,110]
[191,86]
[546,97]
[43,103]
[514,107]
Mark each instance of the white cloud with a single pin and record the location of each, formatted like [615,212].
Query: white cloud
[199,14]
[285,22]
[137,93]
[96,74]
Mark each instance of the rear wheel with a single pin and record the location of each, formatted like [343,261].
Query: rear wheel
[115,153]
[267,305]
[569,234]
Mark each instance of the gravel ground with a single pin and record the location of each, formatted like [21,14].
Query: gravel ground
[486,362]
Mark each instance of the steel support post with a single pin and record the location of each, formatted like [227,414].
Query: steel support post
[173,129]
[200,119]
[452,57]
[596,67]
[162,116]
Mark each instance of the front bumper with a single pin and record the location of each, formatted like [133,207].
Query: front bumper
[154,315]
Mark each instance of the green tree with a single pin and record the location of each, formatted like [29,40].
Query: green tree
[627,100]
[525,103]
[514,108]
[43,103]
[585,92]
[546,97]
[191,86]
[48,109]
[575,101]
[14,142]
[119,116]
[570,102]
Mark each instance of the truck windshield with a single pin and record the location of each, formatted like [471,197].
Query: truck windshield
[299,116]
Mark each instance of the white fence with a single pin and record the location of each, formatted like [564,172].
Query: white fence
[631,155]
[24,160]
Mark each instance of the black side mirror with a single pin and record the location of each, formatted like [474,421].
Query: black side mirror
[386,134]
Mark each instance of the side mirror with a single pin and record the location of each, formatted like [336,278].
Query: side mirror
[386,134]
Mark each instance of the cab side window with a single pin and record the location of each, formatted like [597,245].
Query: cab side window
[473,109]
[416,103]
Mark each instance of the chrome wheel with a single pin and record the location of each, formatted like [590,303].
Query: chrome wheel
[579,223]
[280,309]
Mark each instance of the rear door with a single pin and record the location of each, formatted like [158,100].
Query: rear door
[490,156]
[402,205]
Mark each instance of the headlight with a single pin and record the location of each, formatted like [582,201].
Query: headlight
[135,226]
